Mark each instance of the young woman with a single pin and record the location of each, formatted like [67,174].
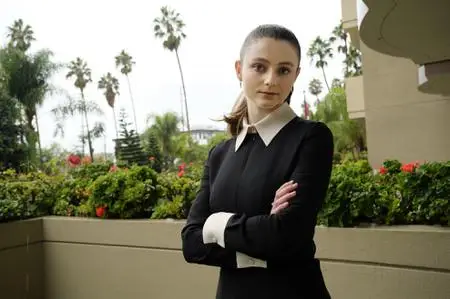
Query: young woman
[255,212]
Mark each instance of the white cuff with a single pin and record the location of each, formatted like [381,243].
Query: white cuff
[245,261]
[214,228]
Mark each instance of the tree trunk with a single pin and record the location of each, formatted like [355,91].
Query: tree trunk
[347,54]
[30,135]
[115,122]
[83,143]
[39,139]
[325,78]
[184,93]
[132,104]
[91,150]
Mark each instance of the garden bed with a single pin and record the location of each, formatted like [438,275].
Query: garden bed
[395,194]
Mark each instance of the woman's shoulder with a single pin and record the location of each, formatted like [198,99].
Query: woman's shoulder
[220,149]
[307,127]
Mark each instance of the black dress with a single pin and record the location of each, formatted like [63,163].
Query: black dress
[242,181]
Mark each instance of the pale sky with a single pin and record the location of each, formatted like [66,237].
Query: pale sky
[97,30]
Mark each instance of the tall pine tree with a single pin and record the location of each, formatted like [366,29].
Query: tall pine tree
[154,152]
[128,146]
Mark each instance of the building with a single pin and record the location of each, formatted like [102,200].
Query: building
[202,134]
[403,96]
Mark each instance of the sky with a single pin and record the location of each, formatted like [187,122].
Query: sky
[97,30]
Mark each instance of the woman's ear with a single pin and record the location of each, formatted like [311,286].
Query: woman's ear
[238,68]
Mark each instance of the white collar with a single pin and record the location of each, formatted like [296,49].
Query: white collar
[269,126]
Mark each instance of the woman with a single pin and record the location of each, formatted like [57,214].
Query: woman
[255,213]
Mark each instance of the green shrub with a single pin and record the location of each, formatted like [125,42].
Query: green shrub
[176,191]
[126,193]
[25,196]
[358,195]
[170,209]
[90,171]
[396,194]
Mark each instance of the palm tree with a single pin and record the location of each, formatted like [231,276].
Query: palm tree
[70,108]
[319,51]
[337,83]
[352,61]
[165,128]
[79,69]
[348,134]
[315,88]
[20,36]
[111,86]
[339,34]
[29,83]
[169,28]
[125,62]
[44,70]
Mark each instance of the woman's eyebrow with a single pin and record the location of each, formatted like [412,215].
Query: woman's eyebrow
[280,63]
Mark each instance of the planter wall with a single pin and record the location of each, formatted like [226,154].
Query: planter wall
[75,258]
[22,260]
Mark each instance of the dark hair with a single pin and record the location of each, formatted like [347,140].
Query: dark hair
[277,32]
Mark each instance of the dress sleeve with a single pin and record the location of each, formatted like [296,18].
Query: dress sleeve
[290,232]
[194,249]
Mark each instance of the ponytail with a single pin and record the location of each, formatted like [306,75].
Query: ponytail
[288,99]
[236,117]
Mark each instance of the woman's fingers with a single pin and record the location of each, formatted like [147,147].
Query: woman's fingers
[280,207]
[284,198]
[286,188]
[286,184]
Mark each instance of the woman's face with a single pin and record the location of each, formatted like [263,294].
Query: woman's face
[268,71]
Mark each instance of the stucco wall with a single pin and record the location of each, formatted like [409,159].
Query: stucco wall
[90,258]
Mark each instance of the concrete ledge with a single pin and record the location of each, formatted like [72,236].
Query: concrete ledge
[77,258]
[427,246]
[162,234]
[20,233]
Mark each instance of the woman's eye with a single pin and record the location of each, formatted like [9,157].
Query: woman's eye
[284,71]
[258,67]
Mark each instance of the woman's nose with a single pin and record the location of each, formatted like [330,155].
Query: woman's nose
[270,79]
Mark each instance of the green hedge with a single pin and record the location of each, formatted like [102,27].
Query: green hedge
[394,194]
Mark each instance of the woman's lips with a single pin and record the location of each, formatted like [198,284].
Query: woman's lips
[268,93]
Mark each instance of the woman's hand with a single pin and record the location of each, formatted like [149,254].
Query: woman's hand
[282,196]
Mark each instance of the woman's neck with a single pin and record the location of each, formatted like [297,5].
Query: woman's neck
[254,113]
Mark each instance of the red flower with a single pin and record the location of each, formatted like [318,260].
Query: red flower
[182,166]
[100,211]
[180,173]
[113,168]
[74,160]
[383,170]
[410,167]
